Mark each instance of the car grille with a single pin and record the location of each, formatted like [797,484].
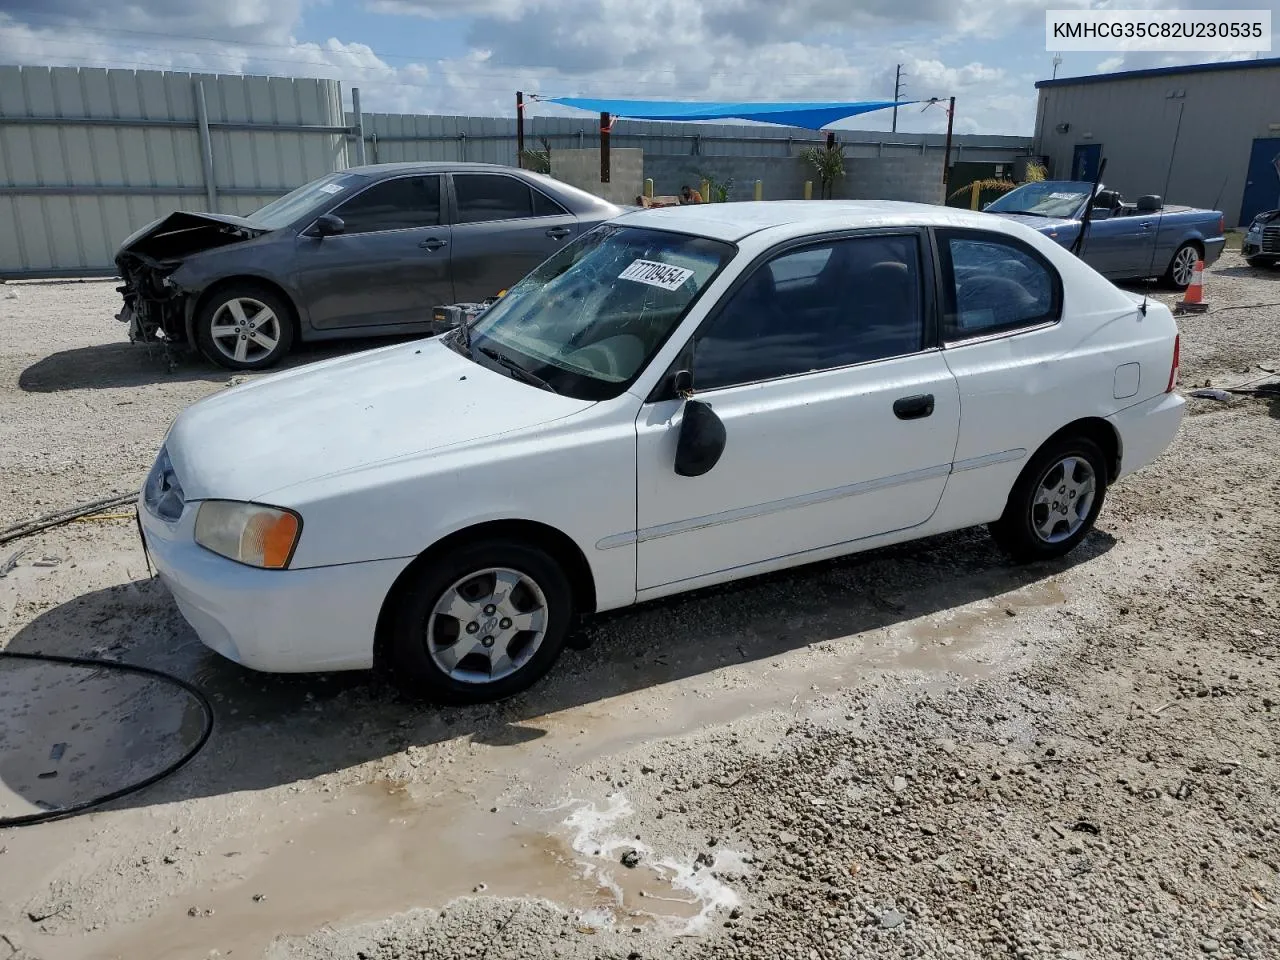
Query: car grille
[1271,240]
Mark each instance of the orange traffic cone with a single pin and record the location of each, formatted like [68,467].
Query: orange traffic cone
[1193,300]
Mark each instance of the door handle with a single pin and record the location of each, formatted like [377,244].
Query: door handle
[558,233]
[434,243]
[913,408]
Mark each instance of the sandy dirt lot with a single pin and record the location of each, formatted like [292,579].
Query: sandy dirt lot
[918,752]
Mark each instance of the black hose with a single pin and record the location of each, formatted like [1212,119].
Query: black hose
[61,812]
[36,524]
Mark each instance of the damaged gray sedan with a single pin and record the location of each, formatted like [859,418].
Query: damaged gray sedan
[363,252]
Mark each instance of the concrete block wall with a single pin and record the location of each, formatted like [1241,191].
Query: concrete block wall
[914,178]
[581,169]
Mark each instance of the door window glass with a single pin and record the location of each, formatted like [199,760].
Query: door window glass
[399,204]
[824,306]
[484,196]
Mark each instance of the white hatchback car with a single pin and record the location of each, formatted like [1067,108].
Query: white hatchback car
[679,398]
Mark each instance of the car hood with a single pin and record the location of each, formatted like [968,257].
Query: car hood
[348,413]
[183,233]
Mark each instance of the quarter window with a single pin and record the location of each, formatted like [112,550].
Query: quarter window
[816,308]
[400,204]
[994,284]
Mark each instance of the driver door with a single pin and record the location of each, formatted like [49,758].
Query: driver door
[389,266]
[840,413]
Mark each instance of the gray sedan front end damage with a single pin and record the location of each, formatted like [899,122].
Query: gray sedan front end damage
[154,308]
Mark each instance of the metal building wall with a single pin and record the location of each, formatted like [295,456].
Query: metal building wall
[89,155]
[1135,119]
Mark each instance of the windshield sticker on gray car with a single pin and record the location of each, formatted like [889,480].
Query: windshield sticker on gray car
[656,274]
[1063,196]
[331,188]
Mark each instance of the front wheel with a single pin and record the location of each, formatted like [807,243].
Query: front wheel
[483,623]
[1055,501]
[245,327]
[1183,266]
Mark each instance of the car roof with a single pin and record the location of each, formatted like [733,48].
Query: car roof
[430,166]
[734,221]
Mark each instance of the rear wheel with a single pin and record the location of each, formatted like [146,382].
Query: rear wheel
[1182,266]
[1055,501]
[245,326]
[484,623]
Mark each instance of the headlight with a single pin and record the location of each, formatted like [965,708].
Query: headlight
[248,532]
[162,493]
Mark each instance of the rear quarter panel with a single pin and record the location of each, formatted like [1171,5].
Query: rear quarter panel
[1176,227]
[1018,390]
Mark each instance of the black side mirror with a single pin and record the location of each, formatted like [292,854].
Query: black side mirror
[702,439]
[327,225]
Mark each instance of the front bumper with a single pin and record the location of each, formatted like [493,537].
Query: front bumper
[277,621]
[1146,429]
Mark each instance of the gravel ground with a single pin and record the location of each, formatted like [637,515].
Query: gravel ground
[918,752]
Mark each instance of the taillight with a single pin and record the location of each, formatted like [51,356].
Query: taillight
[1173,370]
[1222,226]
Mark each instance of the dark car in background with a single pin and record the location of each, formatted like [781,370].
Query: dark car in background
[1261,245]
[362,252]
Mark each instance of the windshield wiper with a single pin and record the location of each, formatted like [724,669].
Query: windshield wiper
[517,371]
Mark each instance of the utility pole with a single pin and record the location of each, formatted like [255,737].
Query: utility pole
[897,91]
[1057,62]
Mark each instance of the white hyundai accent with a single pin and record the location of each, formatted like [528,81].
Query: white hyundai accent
[681,397]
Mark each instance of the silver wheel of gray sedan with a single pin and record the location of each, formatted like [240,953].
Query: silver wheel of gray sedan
[487,625]
[1063,499]
[1184,265]
[245,330]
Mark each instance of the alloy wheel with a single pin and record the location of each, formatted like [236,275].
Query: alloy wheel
[487,625]
[245,330]
[1064,497]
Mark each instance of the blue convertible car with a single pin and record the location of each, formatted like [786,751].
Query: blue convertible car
[1125,241]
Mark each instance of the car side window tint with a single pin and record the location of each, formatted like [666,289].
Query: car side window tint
[544,206]
[993,284]
[400,204]
[816,308]
[484,196]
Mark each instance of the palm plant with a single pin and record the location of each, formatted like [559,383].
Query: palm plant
[828,165]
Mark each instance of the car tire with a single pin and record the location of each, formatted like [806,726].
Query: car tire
[1181,265]
[1036,525]
[1260,262]
[461,618]
[245,326]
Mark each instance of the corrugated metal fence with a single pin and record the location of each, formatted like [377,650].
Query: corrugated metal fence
[87,156]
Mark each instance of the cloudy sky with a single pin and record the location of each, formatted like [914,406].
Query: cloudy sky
[469,56]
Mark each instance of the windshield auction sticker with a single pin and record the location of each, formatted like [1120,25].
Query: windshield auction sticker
[331,188]
[656,274]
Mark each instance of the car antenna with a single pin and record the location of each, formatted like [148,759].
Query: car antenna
[1077,245]
[1155,241]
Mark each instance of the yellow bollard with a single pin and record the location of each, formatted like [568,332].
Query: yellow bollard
[974,191]
[706,192]
[808,189]
[648,187]
[759,189]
